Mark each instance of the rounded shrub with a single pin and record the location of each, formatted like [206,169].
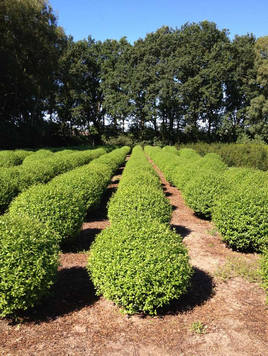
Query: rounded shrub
[8,187]
[140,202]
[185,171]
[34,173]
[9,159]
[62,208]
[212,161]
[189,154]
[28,262]
[22,154]
[241,216]
[203,190]
[140,268]
[85,181]
[170,149]
[38,155]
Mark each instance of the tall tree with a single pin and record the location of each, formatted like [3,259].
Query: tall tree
[30,45]
[240,86]
[114,81]
[258,109]
[200,62]
[80,98]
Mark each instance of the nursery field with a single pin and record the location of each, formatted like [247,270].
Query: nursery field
[149,252]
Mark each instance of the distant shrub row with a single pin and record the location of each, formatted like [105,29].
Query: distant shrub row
[138,262]
[39,167]
[12,158]
[38,220]
[235,198]
[239,155]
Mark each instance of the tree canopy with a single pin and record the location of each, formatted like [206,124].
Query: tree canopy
[181,84]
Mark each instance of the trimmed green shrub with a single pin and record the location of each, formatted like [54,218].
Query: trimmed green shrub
[58,206]
[28,263]
[212,161]
[9,159]
[203,190]
[63,202]
[241,216]
[233,154]
[38,155]
[139,202]
[8,187]
[139,195]
[140,268]
[170,149]
[188,153]
[35,172]
[22,154]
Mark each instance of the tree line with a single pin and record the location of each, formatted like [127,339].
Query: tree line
[175,85]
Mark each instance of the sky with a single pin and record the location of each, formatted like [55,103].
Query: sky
[114,19]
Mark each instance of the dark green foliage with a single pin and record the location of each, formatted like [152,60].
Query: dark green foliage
[28,262]
[241,216]
[141,268]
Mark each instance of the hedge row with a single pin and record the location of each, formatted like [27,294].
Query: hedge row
[38,220]
[233,154]
[12,158]
[31,172]
[138,262]
[235,198]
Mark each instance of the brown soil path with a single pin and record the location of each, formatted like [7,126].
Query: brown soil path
[76,322]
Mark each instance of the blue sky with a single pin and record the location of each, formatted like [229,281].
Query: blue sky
[114,19]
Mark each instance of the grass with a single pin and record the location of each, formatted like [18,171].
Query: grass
[213,231]
[198,327]
[239,267]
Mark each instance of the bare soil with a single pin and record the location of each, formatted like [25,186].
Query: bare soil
[74,321]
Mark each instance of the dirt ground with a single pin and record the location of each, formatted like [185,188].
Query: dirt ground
[74,321]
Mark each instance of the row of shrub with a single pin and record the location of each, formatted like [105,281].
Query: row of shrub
[235,198]
[34,171]
[138,262]
[38,221]
[234,154]
[13,158]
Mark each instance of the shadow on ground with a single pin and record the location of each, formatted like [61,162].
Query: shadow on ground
[72,291]
[201,290]
[183,231]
